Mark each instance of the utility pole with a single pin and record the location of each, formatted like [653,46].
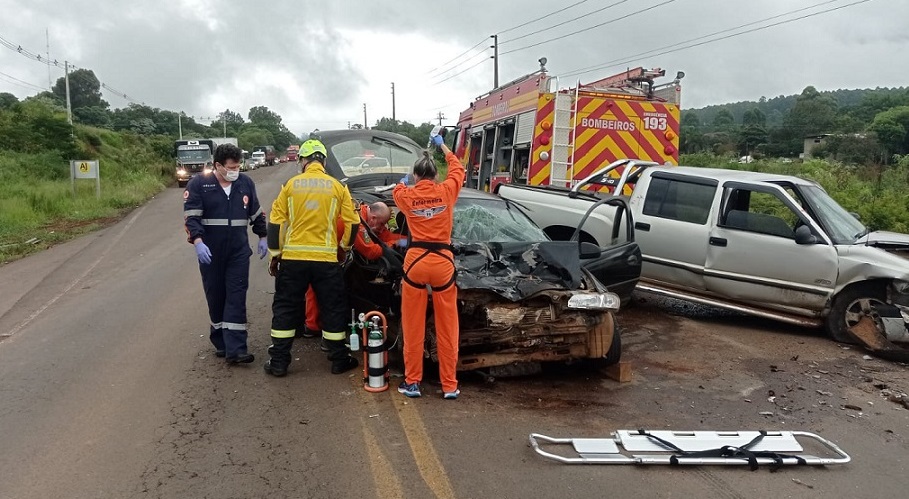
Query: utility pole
[365,123]
[69,106]
[393,102]
[440,117]
[495,60]
[180,124]
[50,84]
[224,121]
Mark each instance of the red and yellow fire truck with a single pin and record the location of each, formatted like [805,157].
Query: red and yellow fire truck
[530,131]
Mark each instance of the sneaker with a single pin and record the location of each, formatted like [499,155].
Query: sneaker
[412,390]
[220,353]
[451,395]
[323,346]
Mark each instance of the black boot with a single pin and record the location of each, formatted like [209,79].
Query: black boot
[340,358]
[279,351]
[244,358]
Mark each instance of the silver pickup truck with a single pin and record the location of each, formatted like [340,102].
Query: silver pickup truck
[773,246]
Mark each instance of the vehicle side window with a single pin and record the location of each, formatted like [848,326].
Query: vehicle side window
[759,212]
[679,200]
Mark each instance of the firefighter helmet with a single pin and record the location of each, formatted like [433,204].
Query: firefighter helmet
[312,146]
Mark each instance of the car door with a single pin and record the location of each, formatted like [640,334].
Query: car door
[672,227]
[753,256]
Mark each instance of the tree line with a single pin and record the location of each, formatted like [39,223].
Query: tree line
[262,126]
[864,127]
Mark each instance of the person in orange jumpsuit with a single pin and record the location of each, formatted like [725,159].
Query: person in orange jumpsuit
[429,209]
[375,216]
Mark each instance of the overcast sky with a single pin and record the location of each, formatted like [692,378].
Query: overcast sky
[317,62]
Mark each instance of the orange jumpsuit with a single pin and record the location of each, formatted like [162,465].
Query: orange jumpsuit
[362,245]
[429,209]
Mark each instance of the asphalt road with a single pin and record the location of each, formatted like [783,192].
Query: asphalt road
[109,389]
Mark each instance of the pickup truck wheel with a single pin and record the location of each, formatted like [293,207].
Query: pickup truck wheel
[850,306]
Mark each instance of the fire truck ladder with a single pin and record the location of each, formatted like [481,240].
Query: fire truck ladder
[563,126]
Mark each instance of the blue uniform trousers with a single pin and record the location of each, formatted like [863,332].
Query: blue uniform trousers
[226,281]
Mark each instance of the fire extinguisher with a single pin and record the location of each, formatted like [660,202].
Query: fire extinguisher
[375,351]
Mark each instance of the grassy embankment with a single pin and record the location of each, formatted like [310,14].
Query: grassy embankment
[880,196]
[37,207]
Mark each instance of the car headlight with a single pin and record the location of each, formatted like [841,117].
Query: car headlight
[181,172]
[594,301]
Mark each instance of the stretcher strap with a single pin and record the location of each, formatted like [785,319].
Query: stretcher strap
[728,451]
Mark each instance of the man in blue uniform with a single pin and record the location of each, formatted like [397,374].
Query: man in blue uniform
[217,208]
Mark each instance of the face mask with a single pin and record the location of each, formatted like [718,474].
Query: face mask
[230,175]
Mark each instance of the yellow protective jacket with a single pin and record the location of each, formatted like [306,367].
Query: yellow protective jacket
[307,209]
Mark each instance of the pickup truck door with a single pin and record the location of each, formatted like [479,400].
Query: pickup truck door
[753,256]
[672,225]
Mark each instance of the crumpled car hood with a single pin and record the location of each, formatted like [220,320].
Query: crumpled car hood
[885,240]
[517,270]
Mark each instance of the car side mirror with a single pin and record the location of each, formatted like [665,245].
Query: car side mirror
[589,250]
[803,235]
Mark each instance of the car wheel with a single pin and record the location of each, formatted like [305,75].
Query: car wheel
[613,356]
[850,306]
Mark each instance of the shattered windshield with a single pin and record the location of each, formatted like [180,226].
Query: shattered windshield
[374,155]
[842,227]
[493,220]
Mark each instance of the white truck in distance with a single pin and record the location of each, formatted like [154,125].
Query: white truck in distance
[773,246]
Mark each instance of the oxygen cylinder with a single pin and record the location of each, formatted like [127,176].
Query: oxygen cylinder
[376,360]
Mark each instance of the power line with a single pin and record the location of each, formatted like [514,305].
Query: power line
[541,17]
[21,83]
[481,61]
[562,37]
[616,63]
[575,71]
[481,42]
[563,22]
[446,77]
[484,40]
[45,60]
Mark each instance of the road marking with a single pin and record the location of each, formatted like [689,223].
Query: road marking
[425,456]
[383,474]
[71,285]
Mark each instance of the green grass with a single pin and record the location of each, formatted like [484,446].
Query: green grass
[36,194]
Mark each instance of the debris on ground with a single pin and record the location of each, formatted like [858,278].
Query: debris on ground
[796,480]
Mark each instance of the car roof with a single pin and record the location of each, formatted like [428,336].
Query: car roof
[736,175]
[335,136]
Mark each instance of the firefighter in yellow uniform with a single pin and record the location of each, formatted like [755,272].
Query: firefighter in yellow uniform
[303,242]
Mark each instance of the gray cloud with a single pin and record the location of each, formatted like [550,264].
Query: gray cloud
[299,58]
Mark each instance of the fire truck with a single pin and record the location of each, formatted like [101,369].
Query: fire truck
[531,131]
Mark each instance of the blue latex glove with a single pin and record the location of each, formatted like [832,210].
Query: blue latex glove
[262,250]
[437,140]
[203,253]
[401,243]
[405,179]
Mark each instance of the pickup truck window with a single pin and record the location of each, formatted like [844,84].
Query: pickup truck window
[760,212]
[679,200]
